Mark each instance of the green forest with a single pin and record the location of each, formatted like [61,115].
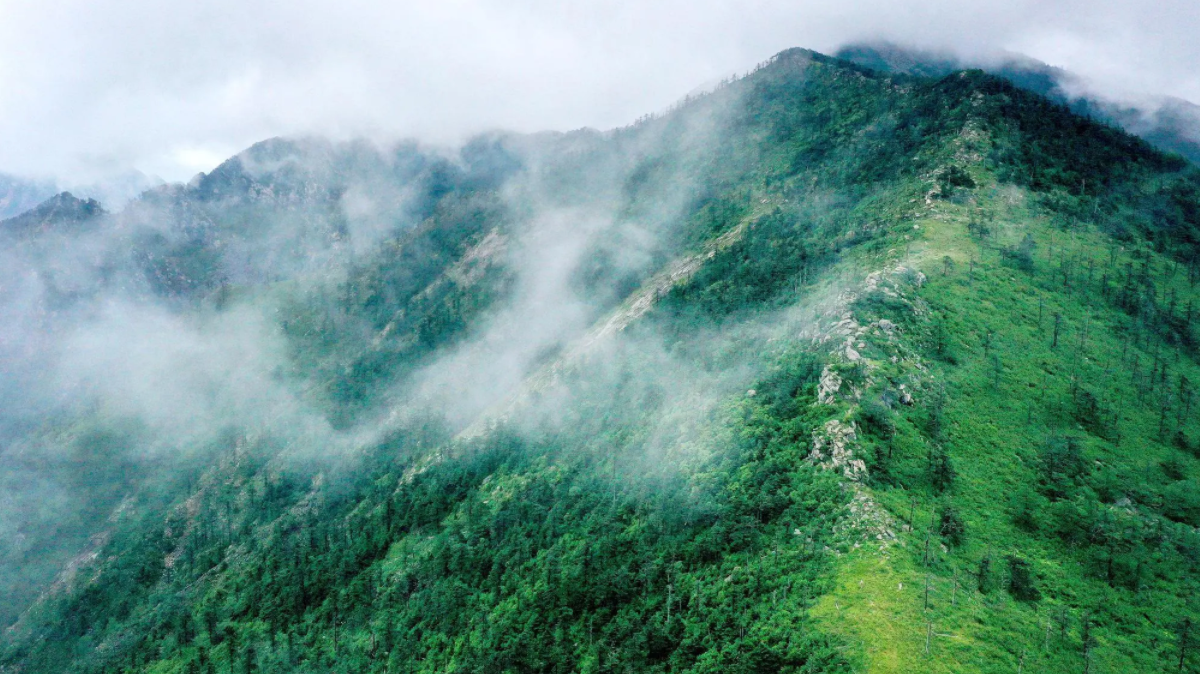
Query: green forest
[903,377]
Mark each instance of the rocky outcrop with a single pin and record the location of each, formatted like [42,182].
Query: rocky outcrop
[865,356]
[867,522]
[833,449]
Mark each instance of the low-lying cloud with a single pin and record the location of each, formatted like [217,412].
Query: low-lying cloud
[92,89]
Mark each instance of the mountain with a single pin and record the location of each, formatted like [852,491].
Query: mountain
[62,210]
[829,369]
[18,196]
[1170,124]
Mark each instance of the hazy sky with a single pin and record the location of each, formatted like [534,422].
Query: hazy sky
[88,88]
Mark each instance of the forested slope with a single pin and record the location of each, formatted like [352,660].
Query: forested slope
[826,370]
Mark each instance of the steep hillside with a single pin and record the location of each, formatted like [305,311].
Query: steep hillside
[1040,485]
[1170,124]
[827,370]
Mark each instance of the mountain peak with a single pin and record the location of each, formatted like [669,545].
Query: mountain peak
[1168,124]
[61,209]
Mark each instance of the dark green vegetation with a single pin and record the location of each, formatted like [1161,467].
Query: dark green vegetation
[1167,123]
[903,379]
[504,554]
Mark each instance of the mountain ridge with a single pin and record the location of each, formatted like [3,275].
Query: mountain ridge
[59,210]
[825,295]
[1170,123]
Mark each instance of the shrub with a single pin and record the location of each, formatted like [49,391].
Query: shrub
[1026,507]
[951,525]
[874,418]
[941,470]
[1021,255]
[1062,463]
[1173,467]
[1181,502]
[952,179]
[1021,581]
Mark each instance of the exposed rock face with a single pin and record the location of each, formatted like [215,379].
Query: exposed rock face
[889,281]
[831,384]
[868,523]
[852,342]
[833,449]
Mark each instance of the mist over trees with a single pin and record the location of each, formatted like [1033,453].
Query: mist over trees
[824,369]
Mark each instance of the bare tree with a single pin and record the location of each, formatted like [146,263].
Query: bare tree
[1185,629]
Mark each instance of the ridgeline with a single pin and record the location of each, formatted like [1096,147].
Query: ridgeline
[864,372]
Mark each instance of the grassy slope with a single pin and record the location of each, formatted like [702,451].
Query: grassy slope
[995,429]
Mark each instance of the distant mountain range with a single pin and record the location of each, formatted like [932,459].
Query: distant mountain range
[1170,124]
[19,194]
[58,211]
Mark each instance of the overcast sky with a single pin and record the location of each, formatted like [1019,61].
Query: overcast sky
[92,87]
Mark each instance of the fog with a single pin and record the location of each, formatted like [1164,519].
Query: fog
[232,304]
[92,90]
[204,318]
[139,346]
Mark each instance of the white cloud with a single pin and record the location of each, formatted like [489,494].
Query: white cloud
[88,88]
[196,159]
